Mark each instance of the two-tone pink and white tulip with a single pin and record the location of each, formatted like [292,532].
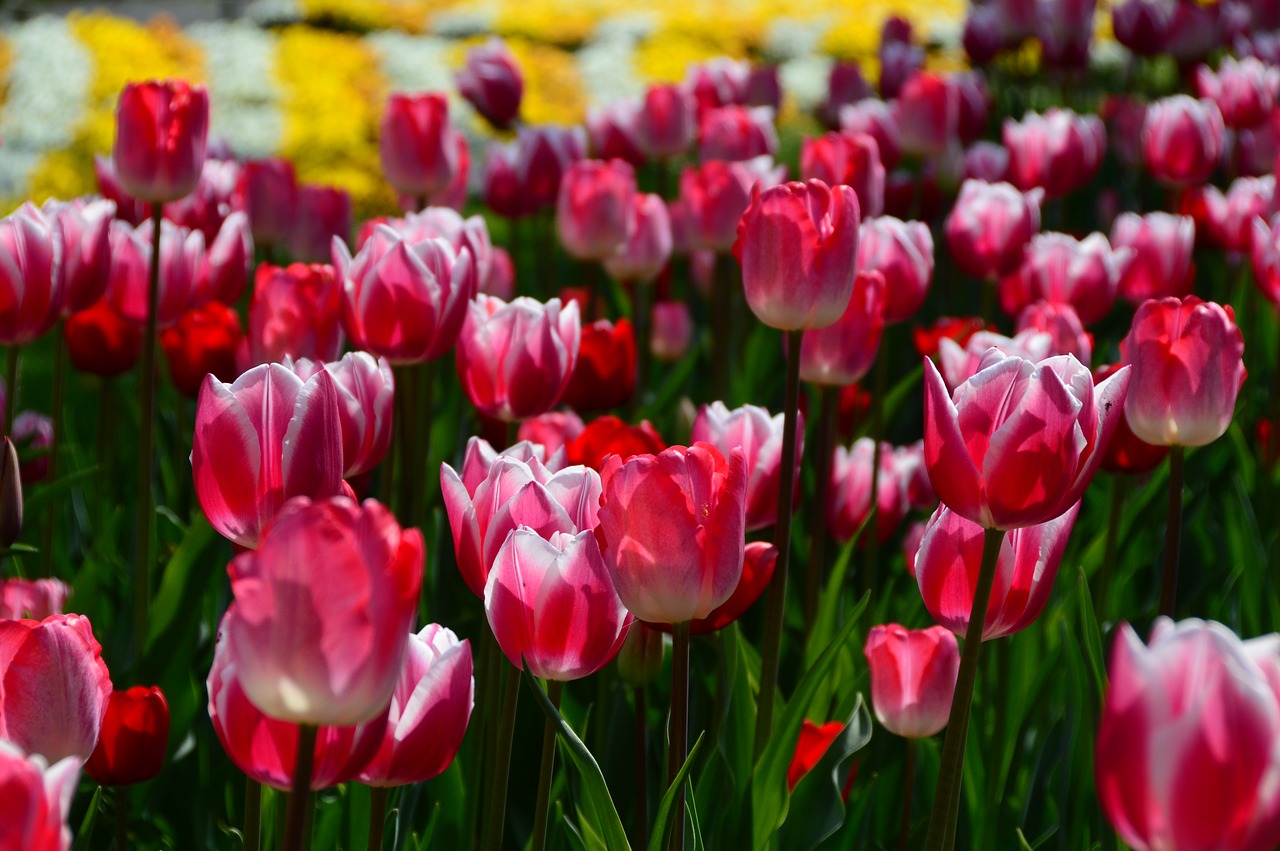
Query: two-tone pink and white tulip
[913,678]
[760,437]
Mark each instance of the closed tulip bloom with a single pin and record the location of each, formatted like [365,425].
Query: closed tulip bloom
[1182,139]
[84,227]
[1187,358]
[304,653]
[552,606]
[1018,442]
[445,223]
[613,133]
[260,440]
[983,36]
[429,710]
[268,192]
[986,161]
[328,215]
[405,301]
[515,358]
[667,123]
[990,225]
[35,800]
[875,118]
[1245,90]
[1186,743]
[491,82]
[715,195]
[55,686]
[850,491]
[949,559]
[798,246]
[265,748]
[1059,151]
[295,311]
[899,61]
[1062,324]
[204,341]
[671,527]
[415,143]
[760,437]
[594,211]
[648,247]
[366,391]
[1161,264]
[32,598]
[850,159]
[927,112]
[1141,25]
[913,678]
[720,81]
[1230,216]
[672,331]
[734,133]
[958,363]
[162,129]
[609,435]
[181,255]
[224,270]
[842,353]
[1084,273]
[551,431]
[135,735]
[605,374]
[30,281]
[101,342]
[903,253]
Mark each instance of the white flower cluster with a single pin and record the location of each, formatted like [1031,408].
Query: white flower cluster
[244,98]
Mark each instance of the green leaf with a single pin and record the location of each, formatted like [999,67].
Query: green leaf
[35,503]
[817,804]
[1092,635]
[661,833]
[597,804]
[85,834]
[185,579]
[832,598]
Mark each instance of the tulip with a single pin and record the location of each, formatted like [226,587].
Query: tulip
[210,202]
[764,87]
[1018,442]
[1230,217]
[1186,744]
[605,374]
[842,353]
[849,491]
[666,124]
[899,61]
[1182,139]
[31,286]
[1059,151]
[37,800]
[672,331]
[982,38]
[845,86]
[876,119]
[594,210]
[734,133]
[759,436]
[128,208]
[492,83]
[1064,28]
[181,256]
[959,364]
[552,606]
[989,227]
[470,233]
[403,300]
[613,133]
[1245,90]
[269,194]
[903,253]
[718,82]
[957,329]
[986,161]
[415,143]
[850,159]
[162,128]
[515,359]
[1161,264]
[950,555]
[85,268]
[366,389]
[429,710]
[203,342]
[1061,269]
[55,685]
[927,112]
[295,311]
[135,735]
[648,247]
[100,341]
[225,269]
[1062,324]
[913,678]
[608,435]
[260,440]
[502,276]
[32,598]
[1141,25]
[715,196]
[11,510]
[797,244]
[328,215]
[552,431]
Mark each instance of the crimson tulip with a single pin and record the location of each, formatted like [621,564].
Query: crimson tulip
[134,738]
[927,113]
[903,253]
[849,491]
[1059,151]
[609,435]
[958,363]
[84,227]
[162,129]
[733,133]
[100,341]
[810,748]
[445,223]
[1245,90]
[328,215]
[1062,324]
[605,374]
[552,431]
[31,286]
[1064,28]
[648,247]
[715,195]
[204,341]
[613,133]
[1059,268]
[672,330]
[295,311]
[852,159]
[366,389]
[1229,217]
[720,81]
[181,256]
[878,120]
[845,86]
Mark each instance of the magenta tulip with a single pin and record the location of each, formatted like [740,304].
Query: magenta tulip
[594,210]
[648,247]
[84,228]
[990,225]
[162,129]
[734,133]
[876,119]
[181,257]
[667,123]
[1063,325]
[1161,264]
[927,112]
[913,678]
[491,82]
[842,353]
[366,389]
[850,492]
[958,363]
[759,435]
[1182,139]
[1245,90]
[328,215]
[1058,151]
[715,195]
[268,192]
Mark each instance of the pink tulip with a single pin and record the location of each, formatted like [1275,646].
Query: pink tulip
[304,653]
[667,122]
[37,801]
[295,311]
[715,196]
[551,431]
[162,128]
[55,686]
[671,527]
[211,201]
[32,598]
[594,210]
[849,159]
[497,494]
[1018,442]
[415,143]
[491,82]
[1062,269]
[1230,217]
[224,270]
[613,132]
[31,285]
[1059,151]
[1161,263]
[734,133]
[959,363]
[759,435]
[842,353]
[405,301]
[927,112]
[876,119]
[990,225]
[672,331]
[265,438]
[910,470]
[1245,90]
[950,557]
[903,253]
[1064,28]
[429,710]
[515,358]
[501,282]
[1186,752]
[648,247]
[986,161]
[1062,324]
[913,677]
[1187,364]
[181,257]
[850,491]
[718,82]
[365,389]
[83,226]
[551,604]
[798,244]
[470,233]
[265,748]
[269,195]
[1182,139]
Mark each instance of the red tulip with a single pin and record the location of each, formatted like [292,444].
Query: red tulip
[415,143]
[366,390]
[672,530]
[1059,151]
[32,598]
[594,210]
[798,244]
[328,215]
[429,710]
[927,112]
[608,435]
[1186,744]
[667,123]
[135,735]
[949,559]
[36,802]
[203,342]
[1161,263]
[55,686]
[759,435]
[101,342]
[648,247]
[957,329]
[162,128]
[181,256]
[715,195]
[225,268]
[295,311]
[492,83]
[842,353]
[128,208]
[1245,90]
[990,225]
[31,286]
[913,678]
[83,226]
[268,191]
[605,374]
[903,253]
[1062,269]
[734,133]
[810,748]
[1182,139]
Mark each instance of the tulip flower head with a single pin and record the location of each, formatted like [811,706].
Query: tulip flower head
[913,678]
[990,225]
[36,803]
[760,437]
[135,735]
[162,130]
[415,141]
[492,82]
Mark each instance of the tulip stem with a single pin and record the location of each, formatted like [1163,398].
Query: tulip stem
[377,816]
[554,689]
[641,316]
[679,730]
[295,826]
[122,818]
[11,388]
[252,814]
[877,436]
[828,406]
[721,305]
[496,821]
[1172,531]
[1119,487]
[946,796]
[59,380]
[407,425]
[641,769]
[146,415]
[908,786]
[771,648]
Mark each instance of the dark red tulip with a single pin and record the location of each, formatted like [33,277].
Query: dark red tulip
[605,375]
[609,435]
[101,342]
[134,737]
[958,328]
[204,340]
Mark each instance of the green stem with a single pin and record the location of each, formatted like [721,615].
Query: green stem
[11,388]
[1119,487]
[679,731]
[490,678]
[377,816]
[908,786]
[407,425]
[252,814]
[877,435]
[946,798]
[771,648]
[1172,531]
[59,381]
[547,769]
[721,305]
[642,770]
[641,321]
[122,818]
[496,821]
[146,414]
[828,406]
[295,826]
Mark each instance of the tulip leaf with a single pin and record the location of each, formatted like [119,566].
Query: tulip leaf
[185,578]
[84,836]
[1092,636]
[661,833]
[35,503]
[600,812]
[769,796]
[832,598]
[818,799]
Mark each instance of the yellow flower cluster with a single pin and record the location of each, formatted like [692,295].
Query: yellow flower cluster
[6,57]
[363,15]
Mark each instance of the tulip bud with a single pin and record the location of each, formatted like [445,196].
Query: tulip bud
[990,225]
[913,678]
[10,495]
[162,129]
[134,737]
[492,82]
[666,124]
[1182,139]
[415,142]
[594,211]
